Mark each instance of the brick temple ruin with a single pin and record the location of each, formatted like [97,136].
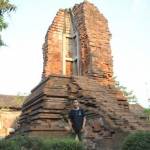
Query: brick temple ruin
[78,64]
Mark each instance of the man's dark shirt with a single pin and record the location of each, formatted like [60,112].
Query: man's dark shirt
[77,117]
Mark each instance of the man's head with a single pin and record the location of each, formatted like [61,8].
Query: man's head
[75,103]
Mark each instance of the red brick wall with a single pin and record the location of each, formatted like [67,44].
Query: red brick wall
[94,43]
[53,45]
[95,37]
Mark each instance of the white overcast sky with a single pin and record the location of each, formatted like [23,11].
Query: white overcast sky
[21,61]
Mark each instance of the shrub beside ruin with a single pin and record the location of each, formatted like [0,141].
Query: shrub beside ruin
[28,143]
[137,141]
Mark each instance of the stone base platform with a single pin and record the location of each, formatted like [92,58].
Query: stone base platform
[44,112]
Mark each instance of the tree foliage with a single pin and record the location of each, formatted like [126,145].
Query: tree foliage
[147,113]
[128,94]
[5,8]
[137,141]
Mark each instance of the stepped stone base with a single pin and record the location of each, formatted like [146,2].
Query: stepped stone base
[44,112]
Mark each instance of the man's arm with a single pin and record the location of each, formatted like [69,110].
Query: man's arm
[84,119]
[69,120]
[84,122]
[70,124]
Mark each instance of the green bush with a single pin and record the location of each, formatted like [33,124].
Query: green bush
[64,144]
[137,141]
[20,142]
[28,143]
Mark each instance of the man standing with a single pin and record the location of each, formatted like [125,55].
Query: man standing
[77,119]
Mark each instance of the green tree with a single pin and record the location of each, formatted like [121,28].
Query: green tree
[19,99]
[128,94]
[5,8]
[147,113]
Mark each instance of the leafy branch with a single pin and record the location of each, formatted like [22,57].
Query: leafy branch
[5,8]
[128,94]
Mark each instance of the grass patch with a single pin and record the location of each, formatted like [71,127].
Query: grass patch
[31,143]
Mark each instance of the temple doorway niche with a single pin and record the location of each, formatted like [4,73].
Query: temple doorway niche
[71,56]
[70,53]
